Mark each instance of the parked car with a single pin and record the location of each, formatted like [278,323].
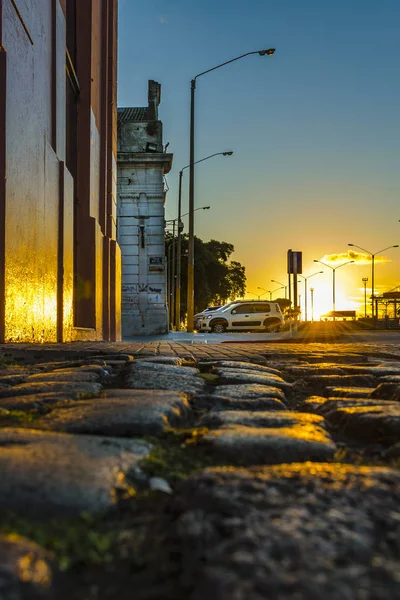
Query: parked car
[205,312]
[243,315]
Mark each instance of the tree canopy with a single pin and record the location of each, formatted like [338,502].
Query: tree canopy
[217,279]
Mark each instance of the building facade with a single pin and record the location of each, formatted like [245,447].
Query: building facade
[142,164]
[59,260]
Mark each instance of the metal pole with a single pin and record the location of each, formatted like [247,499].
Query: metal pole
[305,299]
[169,283]
[373,289]
[365,299]
[365,279]
[190,276]
[173,276]
[334,295]
[178,260]
[295,296]
[312,304]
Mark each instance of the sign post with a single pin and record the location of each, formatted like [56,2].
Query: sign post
[294,267]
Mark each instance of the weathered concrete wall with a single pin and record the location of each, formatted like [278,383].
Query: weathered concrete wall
[141,200]
[133,137]
[41,251]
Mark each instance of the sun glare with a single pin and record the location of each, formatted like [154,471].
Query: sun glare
[323,301]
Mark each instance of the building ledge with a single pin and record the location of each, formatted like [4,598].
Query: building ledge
[145,159]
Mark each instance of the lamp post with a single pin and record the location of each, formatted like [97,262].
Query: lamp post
[180,228]
[365,279]
[175,292]
[190,277]
[305,291]
[277,290]
[312,304]
[265,292]
[281,284]
[333,281]
[373,254]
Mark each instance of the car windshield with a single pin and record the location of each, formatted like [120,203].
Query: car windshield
[226,306]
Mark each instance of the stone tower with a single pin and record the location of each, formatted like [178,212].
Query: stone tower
[142,164]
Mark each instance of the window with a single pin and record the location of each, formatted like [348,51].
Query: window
[242,309]
[262,308]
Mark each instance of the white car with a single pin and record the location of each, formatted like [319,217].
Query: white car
[204,313]
[243,315]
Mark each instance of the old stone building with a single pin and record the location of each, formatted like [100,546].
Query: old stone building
[59,259]
[142,164]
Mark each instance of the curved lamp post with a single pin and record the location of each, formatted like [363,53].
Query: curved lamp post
[305,291]
[174,296]
[265,291]
[190,276]
[373,254]
[281,284]
[333,281]
[179,241]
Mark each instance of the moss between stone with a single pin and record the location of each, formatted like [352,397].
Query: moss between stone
[71,541]
[8,418]
[175,455]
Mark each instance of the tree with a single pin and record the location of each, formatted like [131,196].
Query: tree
[216,278]
[284,304]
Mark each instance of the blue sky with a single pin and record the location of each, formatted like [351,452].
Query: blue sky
[315,129]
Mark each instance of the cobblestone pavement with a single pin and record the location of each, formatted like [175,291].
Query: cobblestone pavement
[179,471]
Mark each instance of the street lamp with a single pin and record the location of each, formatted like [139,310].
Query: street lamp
[180,227]
[373,254]
[365,279]
[333,281]
[174,298]
[305,291]
[190,277]
[277,290]
[265,291]
[282,284]
[312,304]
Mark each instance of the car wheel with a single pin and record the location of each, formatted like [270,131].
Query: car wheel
[218,328]
[272,325]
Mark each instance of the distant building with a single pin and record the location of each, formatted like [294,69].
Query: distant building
[59,259]
[142,164]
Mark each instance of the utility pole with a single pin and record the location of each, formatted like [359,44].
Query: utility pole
[365,279]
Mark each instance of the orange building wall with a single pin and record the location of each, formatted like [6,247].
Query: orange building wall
[53,229]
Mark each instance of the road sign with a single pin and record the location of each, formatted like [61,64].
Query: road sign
[294,262]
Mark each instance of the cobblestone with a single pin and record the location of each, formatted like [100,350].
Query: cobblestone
[303,520]
[45,474]
[123,413]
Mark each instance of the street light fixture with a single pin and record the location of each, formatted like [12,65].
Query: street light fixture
[305,291]
[277,290]
[180,227]
[333,281]
[190,277]
[282,284]
[373,254]
[265,291]
[270,292]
